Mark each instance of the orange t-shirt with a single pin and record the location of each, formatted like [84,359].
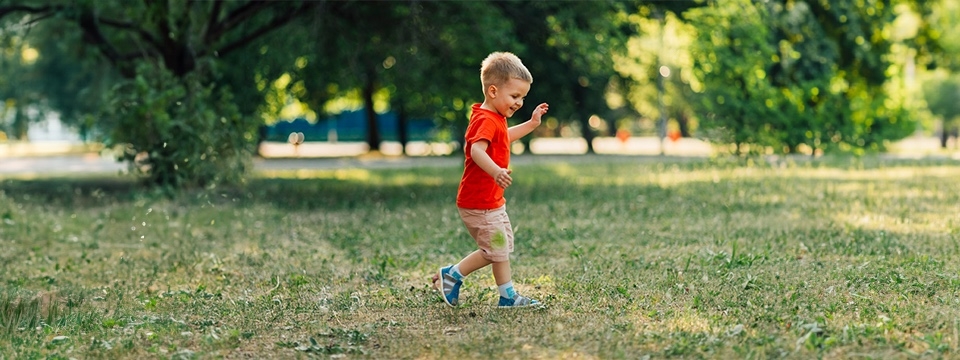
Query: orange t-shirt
[478,190]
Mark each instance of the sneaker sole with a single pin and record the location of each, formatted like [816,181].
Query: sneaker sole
[520,306]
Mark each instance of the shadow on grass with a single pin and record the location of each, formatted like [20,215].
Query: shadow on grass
[559,194]
[81,191]
[584,221]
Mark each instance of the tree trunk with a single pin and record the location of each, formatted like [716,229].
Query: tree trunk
[944,135]
[179,59]
[579,94]
[373,131]
[684,123]
[402,128]
[611,126]
[21,124]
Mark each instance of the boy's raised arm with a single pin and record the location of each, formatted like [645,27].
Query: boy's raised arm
[518,131]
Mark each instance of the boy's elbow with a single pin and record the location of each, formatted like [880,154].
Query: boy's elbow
[476,151]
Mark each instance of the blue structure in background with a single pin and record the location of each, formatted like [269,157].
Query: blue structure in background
[348,126]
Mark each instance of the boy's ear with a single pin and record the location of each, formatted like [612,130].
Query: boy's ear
[492,91]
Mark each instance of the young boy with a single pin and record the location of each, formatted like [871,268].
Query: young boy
[480,197]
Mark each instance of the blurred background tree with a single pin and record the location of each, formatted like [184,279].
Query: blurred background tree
[177,84]
[941,85]
[943,99]
[730,56]
[820,75]
[166,53]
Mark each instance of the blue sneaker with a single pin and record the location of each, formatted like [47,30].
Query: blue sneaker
[517,302]
[449,286]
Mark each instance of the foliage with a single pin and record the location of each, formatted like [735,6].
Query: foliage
[664,39]
[834,257]
[425,54]
[178,131]
[936,49]
[813,75]
[816,75]
[943,98]
[730,53]
[570,52]
[175,38]
[15,100]
[941,87]
[71,82]
[442,40]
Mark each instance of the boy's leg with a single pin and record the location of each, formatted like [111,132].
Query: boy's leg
[473,262]
[501,272]
[493,233]
[466,266]
[508,295]
[449,278]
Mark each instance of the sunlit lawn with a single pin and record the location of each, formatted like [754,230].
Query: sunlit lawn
[834,258]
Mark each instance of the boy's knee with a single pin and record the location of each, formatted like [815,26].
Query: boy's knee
[496,256]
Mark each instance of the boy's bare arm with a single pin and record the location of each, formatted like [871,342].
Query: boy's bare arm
[518,131]
[478,152]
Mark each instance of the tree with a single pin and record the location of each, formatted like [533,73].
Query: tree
[147,43]
[663,39]
[941,87]
[730,53]
[423,55]
[822,77]
[943,100]
[569,51]
[441,40]
[17,101]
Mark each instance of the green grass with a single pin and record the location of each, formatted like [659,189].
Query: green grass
[835,258]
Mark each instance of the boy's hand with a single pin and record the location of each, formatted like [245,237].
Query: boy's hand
[538,112]
[503,178]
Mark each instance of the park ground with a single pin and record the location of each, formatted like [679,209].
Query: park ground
[633,256]
[64,158]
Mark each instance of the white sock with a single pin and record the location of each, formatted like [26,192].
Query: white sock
[455,271]
[507,291]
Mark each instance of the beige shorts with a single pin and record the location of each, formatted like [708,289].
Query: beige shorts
[492,231]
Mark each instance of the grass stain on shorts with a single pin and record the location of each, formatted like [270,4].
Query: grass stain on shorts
[499,240]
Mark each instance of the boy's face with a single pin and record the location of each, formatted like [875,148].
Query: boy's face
[508,97]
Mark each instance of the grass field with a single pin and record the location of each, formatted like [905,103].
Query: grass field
[830,258]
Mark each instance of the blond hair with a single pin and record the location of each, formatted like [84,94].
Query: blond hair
[500,67]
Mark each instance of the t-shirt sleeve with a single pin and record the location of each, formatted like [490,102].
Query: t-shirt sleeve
[485,130]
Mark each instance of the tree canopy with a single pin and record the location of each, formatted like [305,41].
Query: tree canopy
[818,75]
[182,83]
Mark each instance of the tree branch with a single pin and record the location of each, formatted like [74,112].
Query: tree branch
[89,25]
[10,9]
[274,24]
[245,39]
[234,18]
[41,17]
[93,35]
[144,34]
[214,17]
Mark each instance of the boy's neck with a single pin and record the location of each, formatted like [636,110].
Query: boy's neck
[487,106]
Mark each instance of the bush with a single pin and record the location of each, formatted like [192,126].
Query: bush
[177,131]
